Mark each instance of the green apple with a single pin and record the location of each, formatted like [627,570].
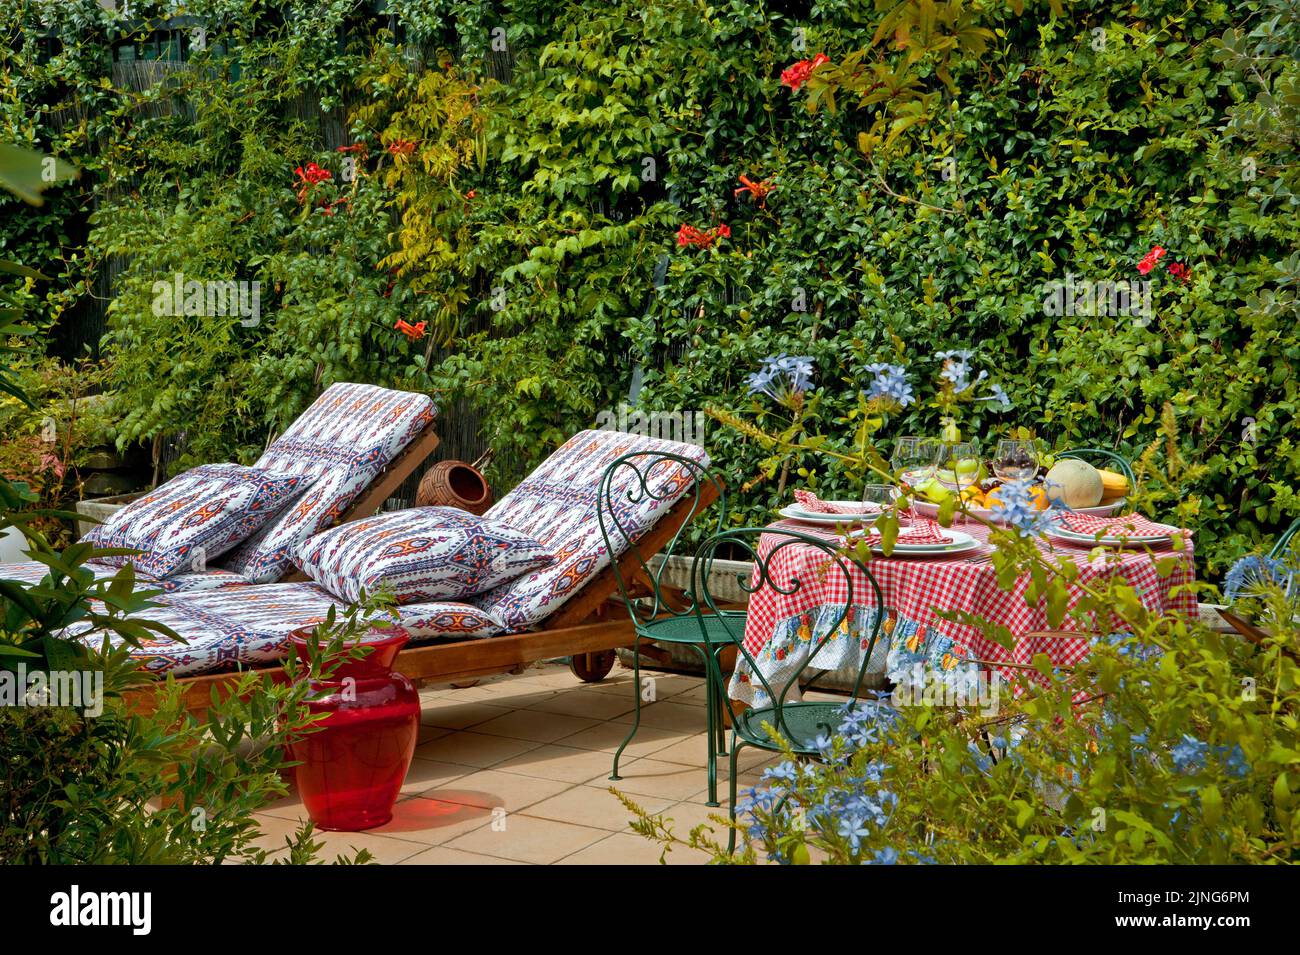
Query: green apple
[934,491]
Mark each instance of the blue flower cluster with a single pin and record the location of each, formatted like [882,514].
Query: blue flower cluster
[890,383]
[782,376]
[1255,571]
[1015,507]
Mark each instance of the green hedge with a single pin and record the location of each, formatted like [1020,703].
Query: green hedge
[527,225]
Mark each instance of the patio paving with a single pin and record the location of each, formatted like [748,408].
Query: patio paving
[514,770]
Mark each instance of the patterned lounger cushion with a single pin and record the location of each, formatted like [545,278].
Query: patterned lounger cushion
[423,553]
[195,517]
[250,626]
[32,572]
[556,505]
[344,440]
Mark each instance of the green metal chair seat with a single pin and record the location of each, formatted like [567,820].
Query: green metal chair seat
[687,629]
[804,721]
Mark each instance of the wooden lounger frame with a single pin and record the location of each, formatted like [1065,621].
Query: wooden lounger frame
[587,623]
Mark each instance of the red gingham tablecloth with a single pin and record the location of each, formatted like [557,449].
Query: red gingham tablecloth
[915,589]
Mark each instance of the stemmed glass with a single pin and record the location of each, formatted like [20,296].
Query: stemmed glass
[879,496]
[915,460]
[963,460]
[1015,460]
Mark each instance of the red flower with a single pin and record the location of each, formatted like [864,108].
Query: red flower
[1180,271]
[758,190]
[401,147]
[354,148]
[797,75]
[689,235]
[413,332]
[1149,260]
[309,177]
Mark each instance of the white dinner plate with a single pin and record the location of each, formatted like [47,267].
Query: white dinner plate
[958,545]
[828,520]
[1110,540]
[863,511]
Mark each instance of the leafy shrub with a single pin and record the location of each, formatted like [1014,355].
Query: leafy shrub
[926,186]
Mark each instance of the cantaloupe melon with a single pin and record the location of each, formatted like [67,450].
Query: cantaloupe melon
[1074,483]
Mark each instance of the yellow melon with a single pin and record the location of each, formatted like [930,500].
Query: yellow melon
[1074,483]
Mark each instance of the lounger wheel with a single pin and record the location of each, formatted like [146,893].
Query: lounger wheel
[592,667]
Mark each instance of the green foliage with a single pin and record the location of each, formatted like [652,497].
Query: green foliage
[144,781]
[975,152]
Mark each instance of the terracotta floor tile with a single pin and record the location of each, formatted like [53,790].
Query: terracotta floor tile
[427,774]
[455,714]
[535,725]
[441,855]
[593,806]
[652,777]
[587,703]
[474,749]
[607,737]
[557,761]
[491,789]
[683,717]
[528,839]
[624,848]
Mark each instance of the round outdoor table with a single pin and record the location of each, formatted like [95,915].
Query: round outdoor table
[781,629]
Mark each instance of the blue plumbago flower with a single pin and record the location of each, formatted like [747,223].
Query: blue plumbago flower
[1255,571]
[853,828]
[1189,754]
[890,383]
[781,376]
[956,369]
[825,745]
[997,396]
[784,771]
[885,856]
[1015,506]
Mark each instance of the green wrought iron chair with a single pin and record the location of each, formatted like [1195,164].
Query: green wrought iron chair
[628,482]
[1283,542]
[1110,457]
[799,722]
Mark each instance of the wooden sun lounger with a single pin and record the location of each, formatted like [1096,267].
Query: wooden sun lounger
[587,628]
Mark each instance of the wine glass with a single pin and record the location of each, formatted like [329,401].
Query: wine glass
[963,464]
[878,496]
[915,460]
[1015,460]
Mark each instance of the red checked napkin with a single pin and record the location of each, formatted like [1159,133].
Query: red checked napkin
[811,502]
[1127,525]
[921,531]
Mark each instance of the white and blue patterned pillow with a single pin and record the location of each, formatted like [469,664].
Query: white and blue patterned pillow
[195,517]
[348,436]
[424,553]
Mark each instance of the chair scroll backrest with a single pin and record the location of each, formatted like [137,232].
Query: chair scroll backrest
[787,562]
[629,482]
[1111,457]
